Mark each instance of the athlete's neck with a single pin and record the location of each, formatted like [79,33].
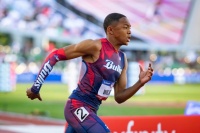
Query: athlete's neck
[114,43]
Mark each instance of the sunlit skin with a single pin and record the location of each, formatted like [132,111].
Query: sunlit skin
[119,33]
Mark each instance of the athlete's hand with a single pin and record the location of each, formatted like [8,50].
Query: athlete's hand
[145,76]
[32,95]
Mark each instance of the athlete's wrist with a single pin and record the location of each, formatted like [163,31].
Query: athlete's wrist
[35,90]
[140,83]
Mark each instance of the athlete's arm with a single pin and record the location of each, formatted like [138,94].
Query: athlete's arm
[88,49]
[121,92]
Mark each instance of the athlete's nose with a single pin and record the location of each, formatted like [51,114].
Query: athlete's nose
[129,31]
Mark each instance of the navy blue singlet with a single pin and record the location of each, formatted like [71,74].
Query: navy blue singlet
[97,79]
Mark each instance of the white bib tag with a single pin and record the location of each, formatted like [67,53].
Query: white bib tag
[81,113]
[105,88]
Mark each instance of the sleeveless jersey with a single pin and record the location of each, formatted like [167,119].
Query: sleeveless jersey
[97,79]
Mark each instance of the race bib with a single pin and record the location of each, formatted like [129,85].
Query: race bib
[105,88]
[81,113]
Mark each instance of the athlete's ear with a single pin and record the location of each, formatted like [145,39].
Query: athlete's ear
[110,30]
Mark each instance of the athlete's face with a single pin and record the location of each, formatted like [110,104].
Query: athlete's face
[122,31]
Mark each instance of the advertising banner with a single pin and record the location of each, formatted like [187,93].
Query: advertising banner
[153,124]
[192,108]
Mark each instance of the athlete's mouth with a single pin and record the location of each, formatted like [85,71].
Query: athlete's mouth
[129,39]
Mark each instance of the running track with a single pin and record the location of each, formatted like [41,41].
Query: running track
[17,123]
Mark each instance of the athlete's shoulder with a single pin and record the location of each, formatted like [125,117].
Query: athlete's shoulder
[125,58]
[96,43]
[121,51]
[92,41]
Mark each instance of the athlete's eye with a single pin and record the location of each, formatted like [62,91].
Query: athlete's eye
[127,27]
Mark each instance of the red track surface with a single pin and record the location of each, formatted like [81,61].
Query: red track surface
[18,119]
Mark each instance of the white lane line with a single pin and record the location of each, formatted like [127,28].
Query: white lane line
[33,128]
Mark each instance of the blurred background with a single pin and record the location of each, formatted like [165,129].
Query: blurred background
[164,32]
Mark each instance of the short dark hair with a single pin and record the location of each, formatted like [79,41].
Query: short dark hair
[110,18]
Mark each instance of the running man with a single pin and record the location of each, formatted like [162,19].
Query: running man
[104,67]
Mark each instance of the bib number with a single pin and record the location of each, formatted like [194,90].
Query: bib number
[105,88]
[81,113]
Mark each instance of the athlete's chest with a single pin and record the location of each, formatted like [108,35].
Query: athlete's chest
[109,65]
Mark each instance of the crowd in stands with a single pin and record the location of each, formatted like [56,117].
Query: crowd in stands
[41,15]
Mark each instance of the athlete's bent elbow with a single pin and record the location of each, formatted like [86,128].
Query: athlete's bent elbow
[119,100]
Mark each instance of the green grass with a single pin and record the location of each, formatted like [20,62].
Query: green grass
[135,110]
[55,95]
[169,93]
